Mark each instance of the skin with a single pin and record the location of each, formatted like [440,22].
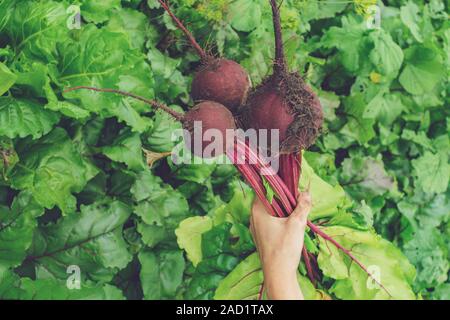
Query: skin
[279,242]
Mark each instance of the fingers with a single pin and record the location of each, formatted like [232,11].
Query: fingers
[303,208]
[259,211]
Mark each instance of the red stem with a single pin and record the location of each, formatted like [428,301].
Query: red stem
[278,183]
[187,33]
[261,291]
[274,183]
[280,61]
[155,104]
[309,269]
[256,183]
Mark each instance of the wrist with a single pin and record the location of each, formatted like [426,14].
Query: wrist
[281,285]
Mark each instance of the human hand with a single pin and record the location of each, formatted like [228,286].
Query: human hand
[279,242]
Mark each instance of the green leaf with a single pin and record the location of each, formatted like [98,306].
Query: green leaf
[238,208]
[245,281]
[99,11]
[427,251]
[91,240]
[161,273]
[326,199]
[132,23]
[432,172]
[332,263]
[17,225]
[160,138]
[384,107]
[22,118]
[382,258]
[52,289]
[51,169]
[269,191]
[7,79]
[245,15]
[193,172]
[419,138]
[36,36]
[350,42]
[216,262]
[423,70]
[160,207]
[105,59]
[365,177]
[409,15]
[127,148]
[387,56]
[357,127]
[168,79]
[189,236]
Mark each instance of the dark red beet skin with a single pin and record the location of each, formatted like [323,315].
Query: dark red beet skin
[287,105]
[223,81]
[212,115]
[268,115]
[284,102]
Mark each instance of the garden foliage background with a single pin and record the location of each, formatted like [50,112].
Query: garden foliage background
[76,188]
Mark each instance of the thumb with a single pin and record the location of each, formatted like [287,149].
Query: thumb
[303,208]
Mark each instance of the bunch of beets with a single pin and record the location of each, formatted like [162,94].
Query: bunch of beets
[227,101]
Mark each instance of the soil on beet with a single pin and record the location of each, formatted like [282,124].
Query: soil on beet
[286,103]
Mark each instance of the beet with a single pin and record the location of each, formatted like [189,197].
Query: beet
[221,80]
[285,102]
[218,79]
[209,114]
[213,115]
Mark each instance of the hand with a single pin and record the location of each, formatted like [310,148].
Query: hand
[279,242]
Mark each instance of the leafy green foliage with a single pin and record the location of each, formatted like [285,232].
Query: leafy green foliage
[75,188]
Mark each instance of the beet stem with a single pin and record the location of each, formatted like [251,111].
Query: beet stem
[158,105]
[309,269]
[280,61]
[271,177]
[254,179]
[255,182]
[279,186]
[187,33]
[261,291]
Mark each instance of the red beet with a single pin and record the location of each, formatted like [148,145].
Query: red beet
[285,102]
[207,114]
[212,115]
[221,80]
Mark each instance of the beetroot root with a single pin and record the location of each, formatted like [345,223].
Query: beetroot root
[222,80]
[211,115]
[284,102]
